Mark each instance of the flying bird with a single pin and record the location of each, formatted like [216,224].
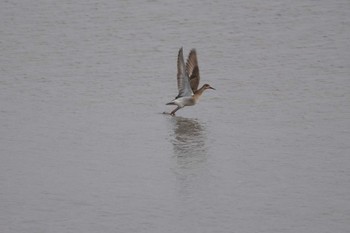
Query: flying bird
[188,82]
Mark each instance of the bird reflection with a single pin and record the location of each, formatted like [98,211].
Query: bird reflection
[189,141]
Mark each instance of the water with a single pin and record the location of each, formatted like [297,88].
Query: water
[84,146]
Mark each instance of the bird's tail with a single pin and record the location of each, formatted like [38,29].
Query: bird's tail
[171,103]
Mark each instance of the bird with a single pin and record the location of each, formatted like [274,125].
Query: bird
[188,81]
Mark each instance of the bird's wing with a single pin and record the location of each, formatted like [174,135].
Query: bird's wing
[183,82]
[193,70]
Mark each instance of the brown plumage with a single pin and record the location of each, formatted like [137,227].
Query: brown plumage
[193,70]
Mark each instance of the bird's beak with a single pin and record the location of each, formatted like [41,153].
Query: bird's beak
[212,88]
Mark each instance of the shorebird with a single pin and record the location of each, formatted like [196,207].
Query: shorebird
[187,82]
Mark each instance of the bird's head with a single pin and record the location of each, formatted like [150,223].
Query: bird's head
[207,86]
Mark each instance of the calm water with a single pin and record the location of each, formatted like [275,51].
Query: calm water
[84,146]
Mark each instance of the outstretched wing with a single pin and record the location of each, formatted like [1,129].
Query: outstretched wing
[193,70]
[183,82]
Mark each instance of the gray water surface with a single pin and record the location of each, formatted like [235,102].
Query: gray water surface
[84,146]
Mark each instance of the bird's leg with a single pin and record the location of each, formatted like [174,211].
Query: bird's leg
[173,112]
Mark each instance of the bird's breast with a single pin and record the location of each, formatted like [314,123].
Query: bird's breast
[185,101]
